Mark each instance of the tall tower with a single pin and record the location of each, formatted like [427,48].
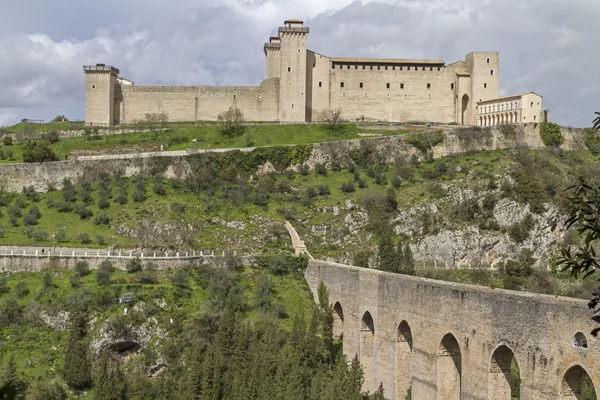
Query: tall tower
[273,53]
[100,82]
[484,68]
[292,94]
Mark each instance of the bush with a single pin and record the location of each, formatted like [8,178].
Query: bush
[348,187]
[7,141]
[34,212]
[29,219]
[60,235]
[100,239]
[311,192]
[424,141]
[519,231]
[31,193]
[39,235]
[104,272]
[84,238]
[47,280]
[21,289]
[139,195]
[159,188]
[51,137]
[101,219]
[397,181]
[178,278]
[321,169]
[13,221]
[281,263]
[323,190]
[15,211]
[8,153]
[83,212]
[20,202]
[10,311]
[64,206]
[39,152]
[550,134]
[146,277]
[121,197]
[82,268]
[134,265]
[69,193]
[304,169]
[103,202]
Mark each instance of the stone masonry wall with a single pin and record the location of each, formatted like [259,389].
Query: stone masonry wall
[457,140]
[411,316]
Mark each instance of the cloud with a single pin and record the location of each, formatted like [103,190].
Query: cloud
[545,46]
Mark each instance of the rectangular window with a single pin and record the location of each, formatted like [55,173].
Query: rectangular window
[320,84]
[429,86]
[393,68]
[423,68]
[488,60]
[363,67]
[348,66]
[532,104]
[431,68]
[370,66]
[439,68]
[361,85]
[485,85]
[341,84]
[401,68]
[402,86]
[356,67]
[289,69]
[378,67]
[452,86]
[491,72]
[387,85]
[386,67]
[314,65]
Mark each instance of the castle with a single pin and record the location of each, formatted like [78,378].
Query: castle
[301,85]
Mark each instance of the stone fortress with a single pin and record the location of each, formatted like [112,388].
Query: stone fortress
[301,84]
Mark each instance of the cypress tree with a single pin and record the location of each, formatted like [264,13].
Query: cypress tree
[13,387]
[110,382]
[356,378]
[77,370]
[409,262]
[326,314]
[386,253]
[399,261]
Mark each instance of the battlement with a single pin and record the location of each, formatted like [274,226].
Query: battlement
[293,29]
[101,68]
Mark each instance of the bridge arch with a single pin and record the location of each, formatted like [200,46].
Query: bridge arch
[502,377]
[404,347]
[576,384]
[338,321]
[449,369]
[367,346]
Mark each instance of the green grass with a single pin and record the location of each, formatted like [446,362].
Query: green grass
[183,136]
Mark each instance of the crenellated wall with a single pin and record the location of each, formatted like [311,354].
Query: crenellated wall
[454,341]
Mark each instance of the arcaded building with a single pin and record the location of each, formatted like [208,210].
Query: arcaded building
[300,85]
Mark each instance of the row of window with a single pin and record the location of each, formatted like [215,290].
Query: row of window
[385,67]
[499,107]
[387,85]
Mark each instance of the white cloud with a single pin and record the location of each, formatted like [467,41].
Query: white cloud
[545,45]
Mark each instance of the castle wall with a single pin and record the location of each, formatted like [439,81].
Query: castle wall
[374,101]
[539,329]
[317,85]
[199,103]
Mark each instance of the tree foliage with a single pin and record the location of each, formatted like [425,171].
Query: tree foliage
[77,370]
[232,121]
[39,151]
[551,135]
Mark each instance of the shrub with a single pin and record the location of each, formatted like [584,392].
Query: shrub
[60,236]
[47,280]
[519,231]
[121,197]
[10,311]
[304,169]
[159,188]
[178,278]
[8,153]
[311,192]
[83,212]
[146,277]
[20,202]
[101,219]
[321,169]
[424,141]
[100,239]
[39,152]
[34,212]
[29,219]
[64,206]
[335,166]
[281,263]
[82,268]
[7,141]
[348,187]
[550,134]
[323,190]
[31,193]
[397,181]
[15,211]
[104,272]
[13,221]
[39,235]
[362,183]
[232,121]
[84,238]
[139,195]
[21,289]
[103,202]
[51,137]
[69,192]
[134,265]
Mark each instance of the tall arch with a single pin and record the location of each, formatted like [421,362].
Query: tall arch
[449,369]
[506,118]
[464,114]
[404,346]
[577,384]
[338,320]
[505,379]
[367,346]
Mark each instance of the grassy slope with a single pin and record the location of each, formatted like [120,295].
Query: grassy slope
[39,349]
[179,137]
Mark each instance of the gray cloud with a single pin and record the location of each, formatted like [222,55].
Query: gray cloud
[545,46]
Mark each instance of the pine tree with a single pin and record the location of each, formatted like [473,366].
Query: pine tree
[386,253]
[77,370]
[409,262]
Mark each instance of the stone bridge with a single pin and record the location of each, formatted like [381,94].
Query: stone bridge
[453,341]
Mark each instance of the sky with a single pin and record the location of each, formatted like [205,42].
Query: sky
[550,47]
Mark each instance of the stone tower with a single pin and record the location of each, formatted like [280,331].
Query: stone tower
[100,83]
[484,70]
[292,94]
[273,53]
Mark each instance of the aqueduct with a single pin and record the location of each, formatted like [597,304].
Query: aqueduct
[453,341]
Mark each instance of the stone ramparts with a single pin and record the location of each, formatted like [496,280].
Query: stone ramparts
[456,141]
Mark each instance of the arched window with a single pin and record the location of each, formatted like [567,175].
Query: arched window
[577,384]
[367,344]
[403,360]
[338,320]
[580,341]
[449,369]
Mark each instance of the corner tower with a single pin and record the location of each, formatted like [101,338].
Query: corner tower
[100,82]
[273,54]
[484,68]
[292,94]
